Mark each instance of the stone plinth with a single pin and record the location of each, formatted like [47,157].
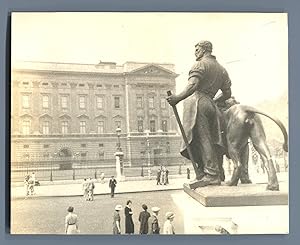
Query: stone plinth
[241,195]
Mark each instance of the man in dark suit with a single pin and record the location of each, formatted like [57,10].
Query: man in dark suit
[112,185]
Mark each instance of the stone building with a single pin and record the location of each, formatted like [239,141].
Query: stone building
[68,114]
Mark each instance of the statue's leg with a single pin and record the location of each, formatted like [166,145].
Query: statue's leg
[244,156]
[259,142]
[234,155]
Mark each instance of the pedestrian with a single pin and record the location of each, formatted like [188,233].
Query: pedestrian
[158,177]
[71,222]
[112,185]
[168,225]
[201,120]
[143,218]
[26,185]
[31,186]
[153,222]
[85,185]
[117,220]
[129,226]
[167,176]
[163,176]
[188,173]
[91,187]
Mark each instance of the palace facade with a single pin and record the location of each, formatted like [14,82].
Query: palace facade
[68,113]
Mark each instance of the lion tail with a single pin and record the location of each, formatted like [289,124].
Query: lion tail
[277,121]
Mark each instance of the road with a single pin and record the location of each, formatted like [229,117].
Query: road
[46,215]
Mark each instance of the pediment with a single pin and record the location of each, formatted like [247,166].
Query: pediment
[26,115]
[83,116]
[152,69]
[117,116]
[64,116]
[46,115]
[100,116]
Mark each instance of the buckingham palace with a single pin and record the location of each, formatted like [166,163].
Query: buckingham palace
[67,114]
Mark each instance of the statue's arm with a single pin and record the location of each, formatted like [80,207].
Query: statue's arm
[187,91]
[226,94]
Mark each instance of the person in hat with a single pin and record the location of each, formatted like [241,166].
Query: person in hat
[153,223]
[168,225]
[143,218]
[201,120]
[71,222]
[117,220]
[112,186]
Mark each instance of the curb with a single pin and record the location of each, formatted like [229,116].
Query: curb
[96,194]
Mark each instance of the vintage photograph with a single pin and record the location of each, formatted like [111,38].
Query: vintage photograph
[149,123]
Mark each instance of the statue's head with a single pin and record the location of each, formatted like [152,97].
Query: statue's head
[201,48]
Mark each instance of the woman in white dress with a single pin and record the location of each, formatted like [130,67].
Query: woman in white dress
[71,222]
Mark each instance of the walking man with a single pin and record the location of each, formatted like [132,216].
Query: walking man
[112,185]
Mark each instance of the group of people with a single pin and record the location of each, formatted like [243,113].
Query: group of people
[29,183]
[88,187]
[149,224]
[162,177]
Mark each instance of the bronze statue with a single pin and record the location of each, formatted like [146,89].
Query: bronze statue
[209,133]
[201,122]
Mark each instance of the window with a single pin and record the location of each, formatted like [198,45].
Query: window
[152,125]
[26,127]
[168,147]
[45,101]
[117,102]
[64,127]
[83,154]
[46,146]
[82,102]
[82,127]
[25,146]
[99,102]
[101,145]
[151,102]
[118,124]
[116,86]
[101,155]
[25,101]
[81,85]
[139,102]
[45,127]
[163,103]
[46,155]
[45,84]
[64,102]
[83,145]
[100,127]
[99,85]
[164,125]
[140,125]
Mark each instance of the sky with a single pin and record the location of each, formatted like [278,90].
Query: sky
[253,47]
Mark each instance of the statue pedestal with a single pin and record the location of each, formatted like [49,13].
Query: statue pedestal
[119,166]
[241,195]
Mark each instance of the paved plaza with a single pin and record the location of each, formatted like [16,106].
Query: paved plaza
[44,212]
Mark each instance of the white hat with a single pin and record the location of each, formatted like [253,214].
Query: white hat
[170,215]
[155,209]
[118,207]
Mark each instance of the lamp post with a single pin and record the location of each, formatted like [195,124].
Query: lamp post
[119,157]
[148,148]
[51,171]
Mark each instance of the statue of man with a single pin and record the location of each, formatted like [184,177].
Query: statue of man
[201,120]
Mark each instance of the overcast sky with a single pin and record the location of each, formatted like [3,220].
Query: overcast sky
[252,47]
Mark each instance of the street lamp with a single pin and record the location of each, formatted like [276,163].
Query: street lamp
[118,131]
[51,172]
[148,147]
[119,156]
